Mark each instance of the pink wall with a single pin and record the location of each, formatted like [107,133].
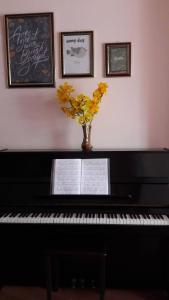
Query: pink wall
[135,111]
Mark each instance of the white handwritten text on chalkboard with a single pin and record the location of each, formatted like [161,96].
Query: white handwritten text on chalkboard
[30,50]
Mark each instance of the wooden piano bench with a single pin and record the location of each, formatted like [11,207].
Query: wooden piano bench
[93,255]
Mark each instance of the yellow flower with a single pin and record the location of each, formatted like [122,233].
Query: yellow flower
[97,94]
[75,103]
[69,112]
[64,91]
[87,118]
[82,108]
[67,88]
[93,108]
[102,87]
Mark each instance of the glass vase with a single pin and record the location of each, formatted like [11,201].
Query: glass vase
[86,144]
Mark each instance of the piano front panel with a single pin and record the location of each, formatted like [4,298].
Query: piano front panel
[136,177]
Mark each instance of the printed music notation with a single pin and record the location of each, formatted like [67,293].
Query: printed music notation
[80,176]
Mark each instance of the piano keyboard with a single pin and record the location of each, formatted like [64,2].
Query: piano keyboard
[85,218]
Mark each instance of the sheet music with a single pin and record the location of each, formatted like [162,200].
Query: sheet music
[66,176]
[80,176]
[95,177]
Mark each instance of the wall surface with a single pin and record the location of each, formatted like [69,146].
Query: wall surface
[135,111]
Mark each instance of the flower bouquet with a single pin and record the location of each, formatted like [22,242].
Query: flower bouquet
[82,108]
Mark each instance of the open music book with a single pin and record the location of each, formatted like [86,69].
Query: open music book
[80,176]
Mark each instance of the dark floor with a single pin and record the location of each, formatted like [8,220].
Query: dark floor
[32,293]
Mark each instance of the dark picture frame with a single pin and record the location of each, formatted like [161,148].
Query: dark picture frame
[30,50]
[77,54]
[118,59]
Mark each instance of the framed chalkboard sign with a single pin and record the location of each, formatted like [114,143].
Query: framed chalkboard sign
[30,50]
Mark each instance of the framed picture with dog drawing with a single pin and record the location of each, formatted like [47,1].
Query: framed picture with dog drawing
[77,54]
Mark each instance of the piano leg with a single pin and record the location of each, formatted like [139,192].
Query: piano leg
[48,277]
[55,275]
[164,254]
[102,275]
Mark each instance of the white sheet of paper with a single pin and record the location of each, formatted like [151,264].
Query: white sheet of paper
[95,175]
[66,176]
[80,176]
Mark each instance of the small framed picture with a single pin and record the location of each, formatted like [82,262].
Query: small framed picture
[77,54]
[118,59]
[30,50]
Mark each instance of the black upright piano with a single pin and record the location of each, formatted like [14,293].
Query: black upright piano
[132,222]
